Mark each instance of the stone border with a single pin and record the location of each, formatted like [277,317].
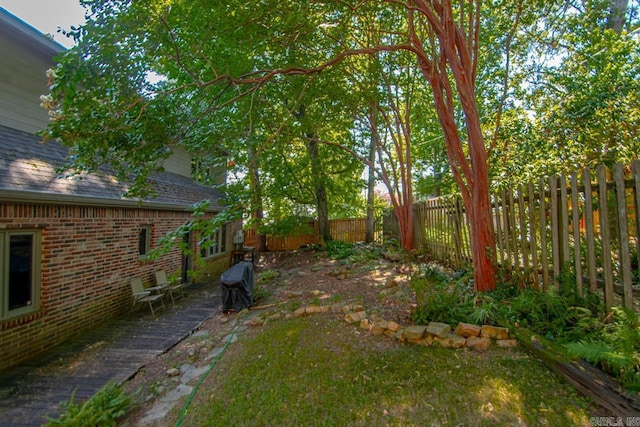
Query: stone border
[464,335]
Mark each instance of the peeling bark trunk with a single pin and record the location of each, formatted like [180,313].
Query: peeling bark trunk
[450,69]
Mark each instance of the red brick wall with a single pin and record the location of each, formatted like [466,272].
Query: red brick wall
[88,256]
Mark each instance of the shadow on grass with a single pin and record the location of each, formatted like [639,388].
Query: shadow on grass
[319,371]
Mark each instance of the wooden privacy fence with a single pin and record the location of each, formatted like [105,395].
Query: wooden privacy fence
[585,222]
[347,230]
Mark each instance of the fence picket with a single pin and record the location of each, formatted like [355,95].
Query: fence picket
[605,236]
[575,210]
[533,232]
[524,240]
[544,258]
[561,221]
[555,228]
[498,227]
[589,233]
[635,171]
[515,261]
[507,226]
[623,236]
[564,218]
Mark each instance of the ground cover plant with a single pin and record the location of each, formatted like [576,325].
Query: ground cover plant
[103,409]
[319,371]
[577,324]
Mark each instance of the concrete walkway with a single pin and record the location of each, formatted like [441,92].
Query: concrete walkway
[113,352]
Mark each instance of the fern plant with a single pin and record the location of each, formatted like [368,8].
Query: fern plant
[102,410]
[618,350]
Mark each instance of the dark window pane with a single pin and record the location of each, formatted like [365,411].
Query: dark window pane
[20,271]
[142,241]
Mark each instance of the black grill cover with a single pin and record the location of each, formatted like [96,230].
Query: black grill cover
[237,287]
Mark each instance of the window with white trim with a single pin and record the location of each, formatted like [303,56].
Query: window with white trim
[20,253]
[214,244]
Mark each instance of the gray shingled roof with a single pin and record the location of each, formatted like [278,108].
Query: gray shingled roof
[28,173]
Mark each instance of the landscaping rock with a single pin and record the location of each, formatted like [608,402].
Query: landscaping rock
[173,372]
[337,307]
[378,328]
[301,312]
[467,330]
[313,309]
[353,316]
[294,294]
[414,332]
[478,343]
[256,321]
[275,316]
[507,343]
[365,324]
[393,326]
[495,332]
[437,329]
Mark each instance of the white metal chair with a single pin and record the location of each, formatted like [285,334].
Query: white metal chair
[149,295]
[175,290]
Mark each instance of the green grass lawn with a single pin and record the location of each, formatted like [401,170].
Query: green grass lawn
[318,371]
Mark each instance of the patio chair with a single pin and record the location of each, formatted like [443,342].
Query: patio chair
[175,290]
[149,295]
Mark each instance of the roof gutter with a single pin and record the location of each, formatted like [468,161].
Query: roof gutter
[43,198]
[16,26]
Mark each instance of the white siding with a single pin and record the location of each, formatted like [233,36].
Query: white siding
[179,163]
[22,81]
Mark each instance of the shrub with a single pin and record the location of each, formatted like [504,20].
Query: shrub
[103,409]
[340,250]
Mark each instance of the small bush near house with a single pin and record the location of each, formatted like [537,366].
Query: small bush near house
[102,410]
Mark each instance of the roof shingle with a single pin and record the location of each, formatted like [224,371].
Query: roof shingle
[28,168]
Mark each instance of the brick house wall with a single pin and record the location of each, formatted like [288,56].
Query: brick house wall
[88,255]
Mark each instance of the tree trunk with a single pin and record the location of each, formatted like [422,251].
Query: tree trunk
[450,72]
[482,238]
[617,14]
[257,212]
[320,190]
[370,228]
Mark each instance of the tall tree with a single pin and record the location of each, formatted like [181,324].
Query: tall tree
[214,52]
